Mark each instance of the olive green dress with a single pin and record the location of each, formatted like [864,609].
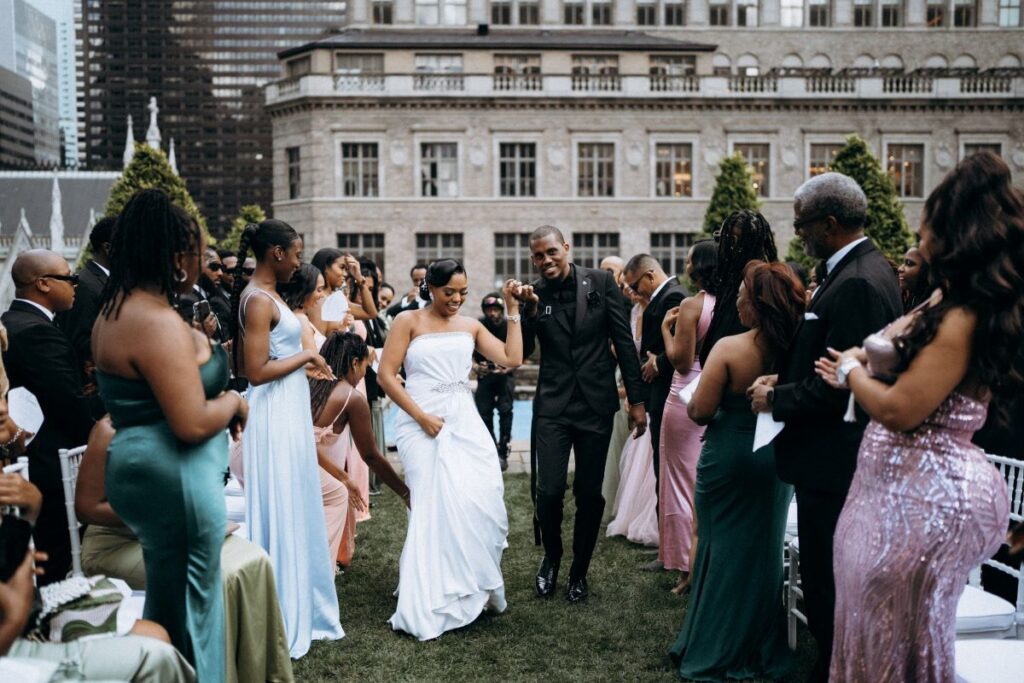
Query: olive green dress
[735,623]
[171,495]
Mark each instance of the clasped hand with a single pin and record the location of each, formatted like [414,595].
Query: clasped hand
[757,393]
[826,367]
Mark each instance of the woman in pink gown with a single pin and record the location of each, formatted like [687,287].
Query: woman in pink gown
[634,515]
[684,329]
[925,506]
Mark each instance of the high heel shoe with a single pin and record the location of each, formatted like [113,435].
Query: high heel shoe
[683,587]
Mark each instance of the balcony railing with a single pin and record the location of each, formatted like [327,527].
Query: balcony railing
[518,82]
[816,86]
[439,82]
[674,83]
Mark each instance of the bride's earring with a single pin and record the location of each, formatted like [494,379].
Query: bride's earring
[180,275]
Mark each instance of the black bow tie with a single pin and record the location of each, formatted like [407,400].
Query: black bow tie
[821,271]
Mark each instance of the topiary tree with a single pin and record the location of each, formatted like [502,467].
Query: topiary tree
[734,190]
[149,168]
[250,213]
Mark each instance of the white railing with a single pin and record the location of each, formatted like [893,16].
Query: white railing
[597,82]
[831,84]
[753,84]
[518,82]
[674,83]
[985,84]
[438,82]
[359,82]
[908,84]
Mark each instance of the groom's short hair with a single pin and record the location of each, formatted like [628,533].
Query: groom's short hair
[642,262]
[545,230]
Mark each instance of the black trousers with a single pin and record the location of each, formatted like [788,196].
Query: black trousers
[496,392]
[654,424]
[817,515]
[587,434]
[51,536]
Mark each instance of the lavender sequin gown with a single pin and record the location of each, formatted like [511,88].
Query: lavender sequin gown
[925,507]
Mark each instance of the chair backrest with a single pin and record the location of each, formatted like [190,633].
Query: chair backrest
[1013,472]
[70,461]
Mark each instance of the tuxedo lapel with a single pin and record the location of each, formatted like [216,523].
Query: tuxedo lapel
[548,307]
[583,285]
[862,248]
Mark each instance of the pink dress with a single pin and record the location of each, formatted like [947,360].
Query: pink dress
[337,505]
[680,450]
[924,508]
[356,467]
[635,502]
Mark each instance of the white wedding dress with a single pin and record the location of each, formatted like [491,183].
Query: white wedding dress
[450,569]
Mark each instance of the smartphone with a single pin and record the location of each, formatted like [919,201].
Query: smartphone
[14,537]
[201,311]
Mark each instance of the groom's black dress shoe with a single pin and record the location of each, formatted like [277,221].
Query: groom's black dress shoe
[576,591]
[547,577]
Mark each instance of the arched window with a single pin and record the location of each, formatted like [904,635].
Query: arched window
[865,62]
[965,62]
[936,62]
[820,61]
[1009,61]
[721,65]
[892,62]
[792,61]
[747,65]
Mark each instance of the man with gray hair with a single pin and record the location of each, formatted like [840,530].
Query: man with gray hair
[817,450]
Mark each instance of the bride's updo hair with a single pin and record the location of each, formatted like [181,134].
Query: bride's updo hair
[439,273]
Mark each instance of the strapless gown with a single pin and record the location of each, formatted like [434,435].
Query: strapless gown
[450,568]
[284,510]
[925,507]
[171,495]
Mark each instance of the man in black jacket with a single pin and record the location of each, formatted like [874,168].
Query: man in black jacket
[495,385]
[645,276]
[77,323]
[817,451]
[574,312]
[40,358]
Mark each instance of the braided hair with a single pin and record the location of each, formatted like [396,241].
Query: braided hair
[147,235]
[341,350]
[260,237]
[755,242]
[976,258]
[439,273]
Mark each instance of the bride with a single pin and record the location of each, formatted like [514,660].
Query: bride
[450,569]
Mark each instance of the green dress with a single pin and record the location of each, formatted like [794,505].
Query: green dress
[735,623]
[171,495]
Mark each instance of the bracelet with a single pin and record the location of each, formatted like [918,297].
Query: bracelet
[514,318]
[14,439]
[844,370]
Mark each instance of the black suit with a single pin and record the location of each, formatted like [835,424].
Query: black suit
[652,341]
[77,323]
[576,399]
[400,305]
[817,450]
[40,358]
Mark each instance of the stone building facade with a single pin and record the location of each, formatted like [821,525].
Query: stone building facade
[407,141]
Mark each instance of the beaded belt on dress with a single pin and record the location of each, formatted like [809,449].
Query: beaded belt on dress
[452,387]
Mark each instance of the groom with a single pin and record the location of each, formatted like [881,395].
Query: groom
[575,312]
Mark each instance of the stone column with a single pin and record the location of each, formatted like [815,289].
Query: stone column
[771,11]
[404,12]
[988,12]
[697,12]
[358,13]
[625,13]
[915,10]
[476,12]
[550,12]
[843,13]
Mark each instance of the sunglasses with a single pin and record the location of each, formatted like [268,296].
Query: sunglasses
[248,271]
[634,283]
[216,266]
[73,279]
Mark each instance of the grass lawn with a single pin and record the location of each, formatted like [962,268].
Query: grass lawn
[621,633]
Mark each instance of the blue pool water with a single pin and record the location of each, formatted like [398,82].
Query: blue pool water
[522,414]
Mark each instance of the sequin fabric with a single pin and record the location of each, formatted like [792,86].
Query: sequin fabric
[452,388]
[924,508]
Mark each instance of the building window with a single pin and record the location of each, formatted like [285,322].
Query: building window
[975,147]
[439,169]
[431,246]
[574,13]
[758,158]
[368,244]
[359,164]
[906,166]
[672,65]
[438,72]
[673,170]
[647,14]
[818,13]
[294,172]
[671,249]
[792,13]
[517,72]
[821,156]
[529,13]
[935,15]
[501,13]
[590,248]
[1009,13]
[718,13]
[512,257]
[445,12]
[517,169]
[892,13]
[746,12]
[595,72]
[382,12]
[595,169]
[298,67]
[600,12]
[862,10]
[358,71]
[675,13]
[964,14]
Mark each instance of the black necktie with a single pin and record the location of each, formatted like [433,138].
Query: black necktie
[821,271]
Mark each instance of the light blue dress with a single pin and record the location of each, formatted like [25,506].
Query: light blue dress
[284,510]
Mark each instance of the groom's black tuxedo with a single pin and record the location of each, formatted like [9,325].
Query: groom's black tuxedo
[577,321]
[817,450]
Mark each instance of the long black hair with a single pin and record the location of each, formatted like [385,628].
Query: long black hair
[976,255]
[323,259]
[923,287]
[367,268]
[341,350]
[704,256]
[439,273]
[147,235]
[295,292]
[754,243]
[260,237]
